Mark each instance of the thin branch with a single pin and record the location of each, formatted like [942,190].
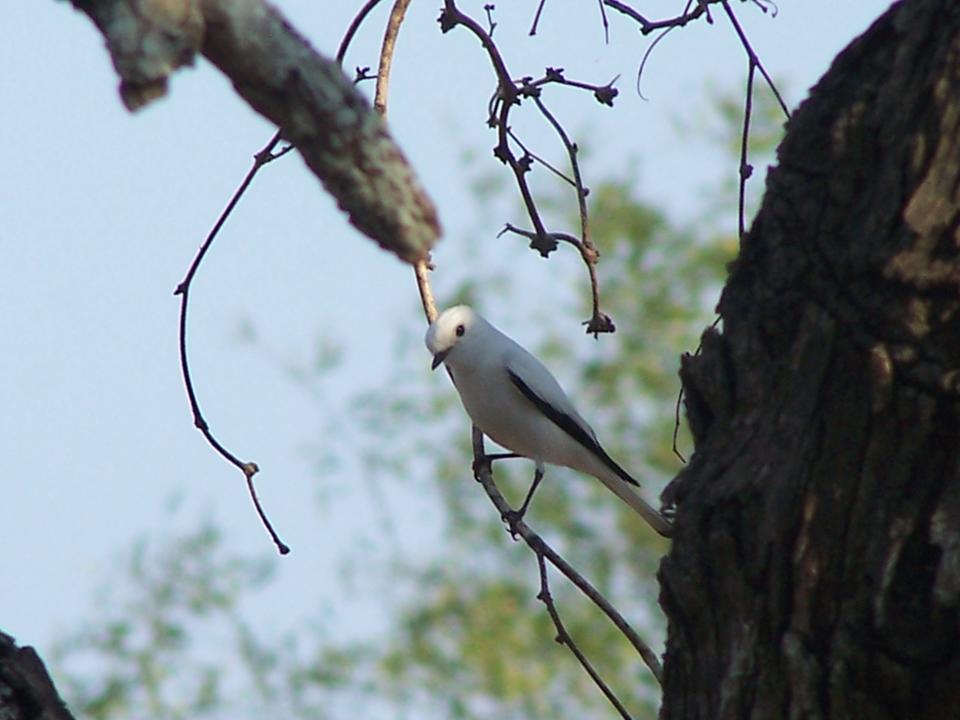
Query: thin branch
[605,94]
[554,236]
[564,638]
[587,249]
[386,54]
[534,156]
[352,29]
[483,472]
[647,26]
[249,469]
[649,51]
[599,322]
[509,94]
[746,169]
[422,268]
[491,23]
[451,16]
[536,18]
[421,271]
[754,59]
[605,21]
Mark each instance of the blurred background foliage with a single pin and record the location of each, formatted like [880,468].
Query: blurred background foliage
[465,635]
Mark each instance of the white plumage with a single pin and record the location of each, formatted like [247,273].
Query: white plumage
[513,399]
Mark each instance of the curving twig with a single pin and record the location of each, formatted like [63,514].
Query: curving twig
[536,18]
[386,54]
[483,472]
[264,156]
[249,469]
[352,29]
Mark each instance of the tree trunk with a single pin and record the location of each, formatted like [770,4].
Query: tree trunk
[26,691]
[815,571]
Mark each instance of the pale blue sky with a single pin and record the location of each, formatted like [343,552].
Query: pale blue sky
[102,214]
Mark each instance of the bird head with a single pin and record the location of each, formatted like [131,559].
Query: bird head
[449,331]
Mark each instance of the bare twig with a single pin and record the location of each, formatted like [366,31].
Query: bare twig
[554,236]
[536,18]
[648,26]
[491,23]
[263,157]
[352,29]
[746,169]
[386,54]
[534,156]
[509,94]
[606,23]
[483,472]
[422,268]
[564,638]
[646,56]
[249,469]
[754,58]
[599,322]
[426,294]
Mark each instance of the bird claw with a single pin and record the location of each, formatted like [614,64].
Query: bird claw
[513,518]
[480,465]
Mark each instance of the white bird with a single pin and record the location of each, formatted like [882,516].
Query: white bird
[513,399]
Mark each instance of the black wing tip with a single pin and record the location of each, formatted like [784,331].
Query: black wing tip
[570,426]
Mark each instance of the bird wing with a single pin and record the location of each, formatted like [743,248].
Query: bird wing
[538,386]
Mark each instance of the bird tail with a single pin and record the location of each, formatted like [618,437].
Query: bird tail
[652,517]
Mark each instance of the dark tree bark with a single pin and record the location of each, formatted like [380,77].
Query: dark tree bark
[26,691]
[815,571]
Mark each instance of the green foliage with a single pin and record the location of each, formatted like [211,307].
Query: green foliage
[141,657]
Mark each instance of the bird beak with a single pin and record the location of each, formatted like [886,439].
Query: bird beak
[439,358]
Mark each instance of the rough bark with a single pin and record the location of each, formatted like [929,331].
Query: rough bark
[343,140]
[26,691]
[815,571]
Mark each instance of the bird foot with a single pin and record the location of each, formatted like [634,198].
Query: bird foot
[513,518]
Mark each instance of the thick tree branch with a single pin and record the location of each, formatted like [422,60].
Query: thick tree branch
[317,108]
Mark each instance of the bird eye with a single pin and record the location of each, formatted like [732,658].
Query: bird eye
[460,330]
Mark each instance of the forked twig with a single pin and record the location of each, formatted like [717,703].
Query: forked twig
[754,58]
[564,638]
[599,322]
